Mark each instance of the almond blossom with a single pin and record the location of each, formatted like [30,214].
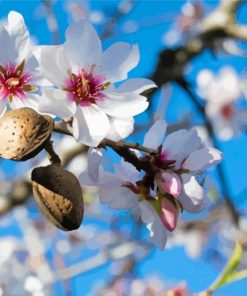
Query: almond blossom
[19,69]
[177,182]
[221,93]
[84,78]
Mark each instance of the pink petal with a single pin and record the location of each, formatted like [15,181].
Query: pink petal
[169,182]
[169,214]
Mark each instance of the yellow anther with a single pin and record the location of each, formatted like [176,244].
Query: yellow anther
[105,85]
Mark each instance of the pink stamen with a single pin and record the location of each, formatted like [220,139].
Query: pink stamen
[85,87]
[14,81]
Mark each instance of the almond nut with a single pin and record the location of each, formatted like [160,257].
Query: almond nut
[25,133]
[59,196]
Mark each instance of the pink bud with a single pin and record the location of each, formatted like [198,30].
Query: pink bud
[169,214]
[169,182]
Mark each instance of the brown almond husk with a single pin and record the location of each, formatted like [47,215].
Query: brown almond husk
[24,133]
[59,196]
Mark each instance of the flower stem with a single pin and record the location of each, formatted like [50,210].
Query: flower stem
[53,157]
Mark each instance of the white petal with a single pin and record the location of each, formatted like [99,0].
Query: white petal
[90,125]
[19,36]
[192,194]
[118,60]
[56,102]
[158,232]
[155,135]
[30,101]
[180,145]
[126,172]
[123,104]
[83,45]
[32,66]
[202,159]
[94,160]
[120,198]
[5,51]
[108,180]
[120,128]
[54,64]
[2,106]
[136,85]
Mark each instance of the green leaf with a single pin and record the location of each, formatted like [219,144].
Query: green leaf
[236,276]
[229,273]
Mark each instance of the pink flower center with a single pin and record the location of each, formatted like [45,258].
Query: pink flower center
[14,81]
[227,111]
[85,87]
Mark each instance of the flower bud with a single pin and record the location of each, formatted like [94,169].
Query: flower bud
[169,182]
[169,213]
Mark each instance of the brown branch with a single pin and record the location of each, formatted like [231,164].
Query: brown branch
[124,7]
[219,24]
[135,146]
[122,149]
[52,21]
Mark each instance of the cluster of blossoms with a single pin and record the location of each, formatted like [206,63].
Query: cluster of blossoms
[75,79]
[174,183]
[76,82]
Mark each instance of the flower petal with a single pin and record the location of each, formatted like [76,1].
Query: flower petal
[123,104]
[6,50]
[31,101]
[90,125]
[157,231]
[54,64]
[136,85]
[2,106]
[169,214]
[202,159]
[127,172]
[20,42]
[179,145]
[120,128]
[118,197]
[83,45]
[192,195]
[94,160]
[118,60]
[169,182]
[155,135]
[55,101]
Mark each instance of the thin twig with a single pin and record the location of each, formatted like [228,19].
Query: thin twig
[122,149]
[53,157]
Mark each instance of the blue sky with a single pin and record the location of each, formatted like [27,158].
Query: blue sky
[169,264]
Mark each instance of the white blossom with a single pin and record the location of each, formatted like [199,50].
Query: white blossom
[20,76]
[84,78]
